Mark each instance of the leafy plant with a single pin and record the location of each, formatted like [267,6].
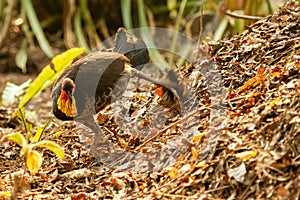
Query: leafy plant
[42,81]
[32,157]
[50,73]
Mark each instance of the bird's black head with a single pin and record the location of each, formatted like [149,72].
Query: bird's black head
[66,102]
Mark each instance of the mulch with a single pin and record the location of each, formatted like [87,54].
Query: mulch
[246,133]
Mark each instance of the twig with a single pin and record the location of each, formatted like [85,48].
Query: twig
[248,17]
[115,134]
[217,189]
[165,129]
[8,12]
[176,196]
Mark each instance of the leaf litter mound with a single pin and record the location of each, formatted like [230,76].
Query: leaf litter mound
[255,156]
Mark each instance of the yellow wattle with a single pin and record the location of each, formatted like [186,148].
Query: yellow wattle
[67,107]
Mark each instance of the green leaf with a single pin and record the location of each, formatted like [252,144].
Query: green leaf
[34,161]
[12,92]
[40,131]
[21,116]
[79,32]
[221,29]
[17,138]
[155,56]
[52,146]
[177,27]
[36,28]
[126,14]
[88,21]
[238,23]
[50,73]
[21,57]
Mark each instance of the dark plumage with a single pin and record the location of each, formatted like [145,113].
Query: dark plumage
[87,84]
[86,87]
[132,47]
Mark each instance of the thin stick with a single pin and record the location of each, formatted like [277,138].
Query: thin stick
[8,14]
[165,129]
[231,14]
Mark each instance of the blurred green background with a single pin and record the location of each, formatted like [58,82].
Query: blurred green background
[33,31]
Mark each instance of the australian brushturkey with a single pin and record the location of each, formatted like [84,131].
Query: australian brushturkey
[87,86]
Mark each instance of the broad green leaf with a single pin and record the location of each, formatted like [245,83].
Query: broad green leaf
[21,116]
[52,146]
[17,138]
[34,161]
[40,131]
[12,92]
[50,73]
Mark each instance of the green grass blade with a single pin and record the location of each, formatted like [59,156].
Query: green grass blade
[87,17]
[40,131]
[238,23]
[21,57]
[1,7]
[145,33]
[79,33]
[221,29]
[177,27]
[37,29]
[22,117]
[126,14]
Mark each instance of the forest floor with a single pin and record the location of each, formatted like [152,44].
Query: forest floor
[247,147]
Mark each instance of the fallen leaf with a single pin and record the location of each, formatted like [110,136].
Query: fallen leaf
[238,173]
[246,155]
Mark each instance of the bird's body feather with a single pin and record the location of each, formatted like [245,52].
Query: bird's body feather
[94,76]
